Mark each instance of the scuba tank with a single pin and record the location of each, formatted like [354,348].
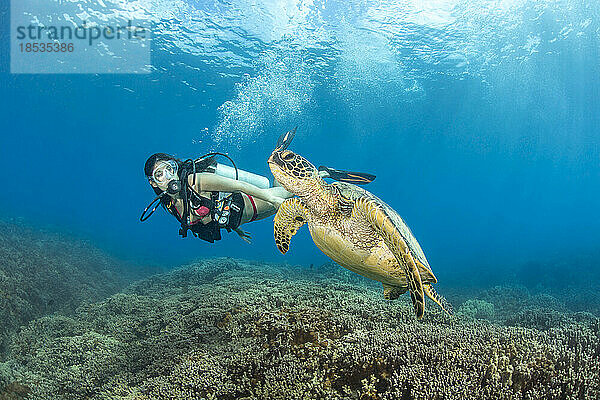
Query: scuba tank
[248,177]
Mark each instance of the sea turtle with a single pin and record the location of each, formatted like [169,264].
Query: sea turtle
[354,228]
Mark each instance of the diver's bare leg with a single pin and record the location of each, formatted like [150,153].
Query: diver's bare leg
[279,191]
[264,209]
[215,183]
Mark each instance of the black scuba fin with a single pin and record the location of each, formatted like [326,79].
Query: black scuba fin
[358,178]
[285,139]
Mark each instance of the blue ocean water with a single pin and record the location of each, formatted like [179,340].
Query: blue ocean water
[480,120]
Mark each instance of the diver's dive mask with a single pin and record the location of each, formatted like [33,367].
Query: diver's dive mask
[165,175]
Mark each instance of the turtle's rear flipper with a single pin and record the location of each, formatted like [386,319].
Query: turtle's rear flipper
[358,178]
[438,299]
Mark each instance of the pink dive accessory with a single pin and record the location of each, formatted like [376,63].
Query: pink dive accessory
[202,211]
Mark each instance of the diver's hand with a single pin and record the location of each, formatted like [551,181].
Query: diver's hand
[246,236]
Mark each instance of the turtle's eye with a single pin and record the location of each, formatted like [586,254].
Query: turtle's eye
[287,156]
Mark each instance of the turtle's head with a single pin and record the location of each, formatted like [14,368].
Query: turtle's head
[295,173]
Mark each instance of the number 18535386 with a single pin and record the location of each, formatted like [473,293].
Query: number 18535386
[43,47]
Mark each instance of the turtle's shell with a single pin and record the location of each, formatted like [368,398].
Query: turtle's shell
[353,192]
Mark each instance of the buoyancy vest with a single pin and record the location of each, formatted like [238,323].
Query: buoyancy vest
[225,209]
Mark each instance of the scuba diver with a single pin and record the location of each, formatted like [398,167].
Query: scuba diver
[206,196]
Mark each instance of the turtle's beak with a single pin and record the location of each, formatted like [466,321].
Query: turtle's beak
[275,159]
[276,165]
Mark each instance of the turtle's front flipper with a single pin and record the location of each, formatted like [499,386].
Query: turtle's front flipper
[290,216]
[379,220]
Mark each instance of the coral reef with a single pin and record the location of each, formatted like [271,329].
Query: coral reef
[228,329]
[41,273]
[477,309]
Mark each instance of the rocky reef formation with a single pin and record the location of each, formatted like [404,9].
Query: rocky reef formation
[42,273]
[228,329]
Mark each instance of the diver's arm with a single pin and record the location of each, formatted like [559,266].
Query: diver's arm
[209,182]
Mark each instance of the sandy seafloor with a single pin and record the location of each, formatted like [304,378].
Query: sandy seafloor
[74,326]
